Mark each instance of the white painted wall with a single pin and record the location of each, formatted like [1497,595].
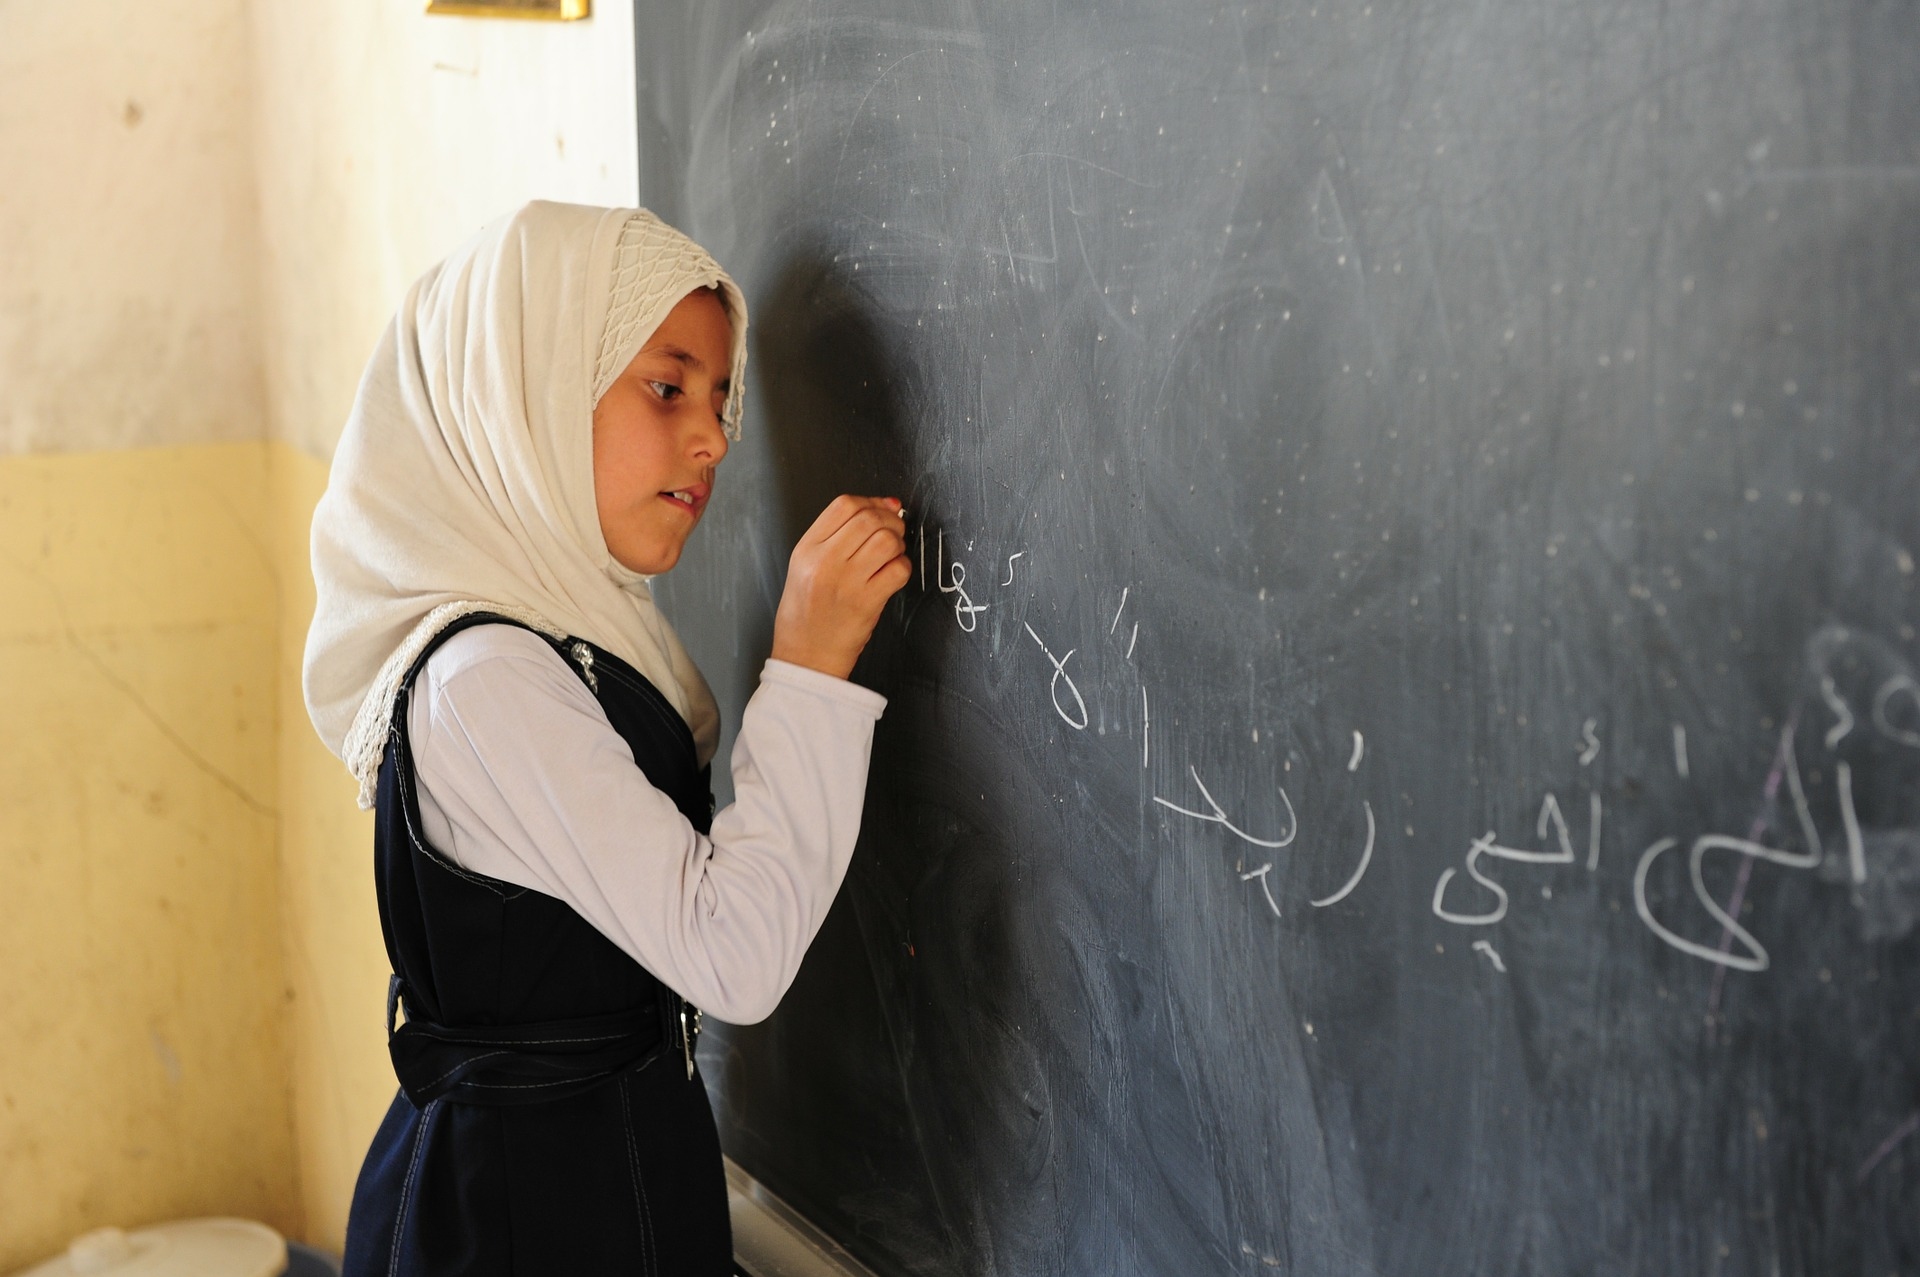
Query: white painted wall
[387,136]
[128,247]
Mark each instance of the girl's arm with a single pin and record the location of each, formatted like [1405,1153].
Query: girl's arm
[522,778]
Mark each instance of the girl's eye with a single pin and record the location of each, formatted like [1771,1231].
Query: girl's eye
[666,390]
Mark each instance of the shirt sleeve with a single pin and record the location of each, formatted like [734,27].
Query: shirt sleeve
[530,783]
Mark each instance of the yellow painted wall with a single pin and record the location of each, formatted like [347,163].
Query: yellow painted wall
[342,1079]
[143,1030]
[192,954]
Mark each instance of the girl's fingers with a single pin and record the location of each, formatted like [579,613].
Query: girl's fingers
[880,548]
[844,509]
[832,519]
[893,575]
[850,536]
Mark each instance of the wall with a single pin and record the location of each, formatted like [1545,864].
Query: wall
[385,137]
[212,207]
[128,279]
[144,1069]
[143,1046]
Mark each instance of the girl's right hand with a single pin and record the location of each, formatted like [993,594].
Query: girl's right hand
[847,565]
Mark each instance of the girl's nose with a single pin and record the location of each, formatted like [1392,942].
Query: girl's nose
[709,441]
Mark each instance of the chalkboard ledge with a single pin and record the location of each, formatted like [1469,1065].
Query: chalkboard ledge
[771,1239]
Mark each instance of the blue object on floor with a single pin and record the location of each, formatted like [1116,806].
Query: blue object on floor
[305,1261]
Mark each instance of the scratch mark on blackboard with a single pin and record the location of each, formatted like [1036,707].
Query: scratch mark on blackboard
[1887,1146]
[1086,260]
[1146,727]
[1433,286]
[1329,226]
[1075,159]
[1219,816]
[1366,858]
[1261,874]
[1843,173]
[855,117]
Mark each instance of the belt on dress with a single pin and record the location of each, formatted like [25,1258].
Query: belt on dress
[532,1063]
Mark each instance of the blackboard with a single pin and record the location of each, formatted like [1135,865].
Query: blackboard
[1403,751]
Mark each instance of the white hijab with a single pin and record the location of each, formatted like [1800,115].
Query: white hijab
[464,479]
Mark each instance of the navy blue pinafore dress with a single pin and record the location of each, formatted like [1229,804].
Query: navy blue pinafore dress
[550,1120]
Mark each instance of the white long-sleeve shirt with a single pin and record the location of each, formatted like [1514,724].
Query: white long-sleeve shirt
[522,778]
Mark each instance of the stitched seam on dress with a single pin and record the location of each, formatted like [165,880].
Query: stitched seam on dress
[406,1186]
[650,697]
[425,848]
[644,1216]
[400,727]
[402,776]
[649,694]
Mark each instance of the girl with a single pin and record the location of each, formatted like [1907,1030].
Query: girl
[535,438]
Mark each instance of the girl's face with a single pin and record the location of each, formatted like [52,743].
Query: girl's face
[657,435]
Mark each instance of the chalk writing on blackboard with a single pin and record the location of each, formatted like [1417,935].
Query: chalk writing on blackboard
[1850,821]
[1053,686]
[1261,874]
[1893,687]
[1842,716]
[1738,949]
[955,574]
[1366,858]
[1755,958]
[1217,816]
[1593,830]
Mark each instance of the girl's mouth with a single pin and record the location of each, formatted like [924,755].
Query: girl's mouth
[690,498]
